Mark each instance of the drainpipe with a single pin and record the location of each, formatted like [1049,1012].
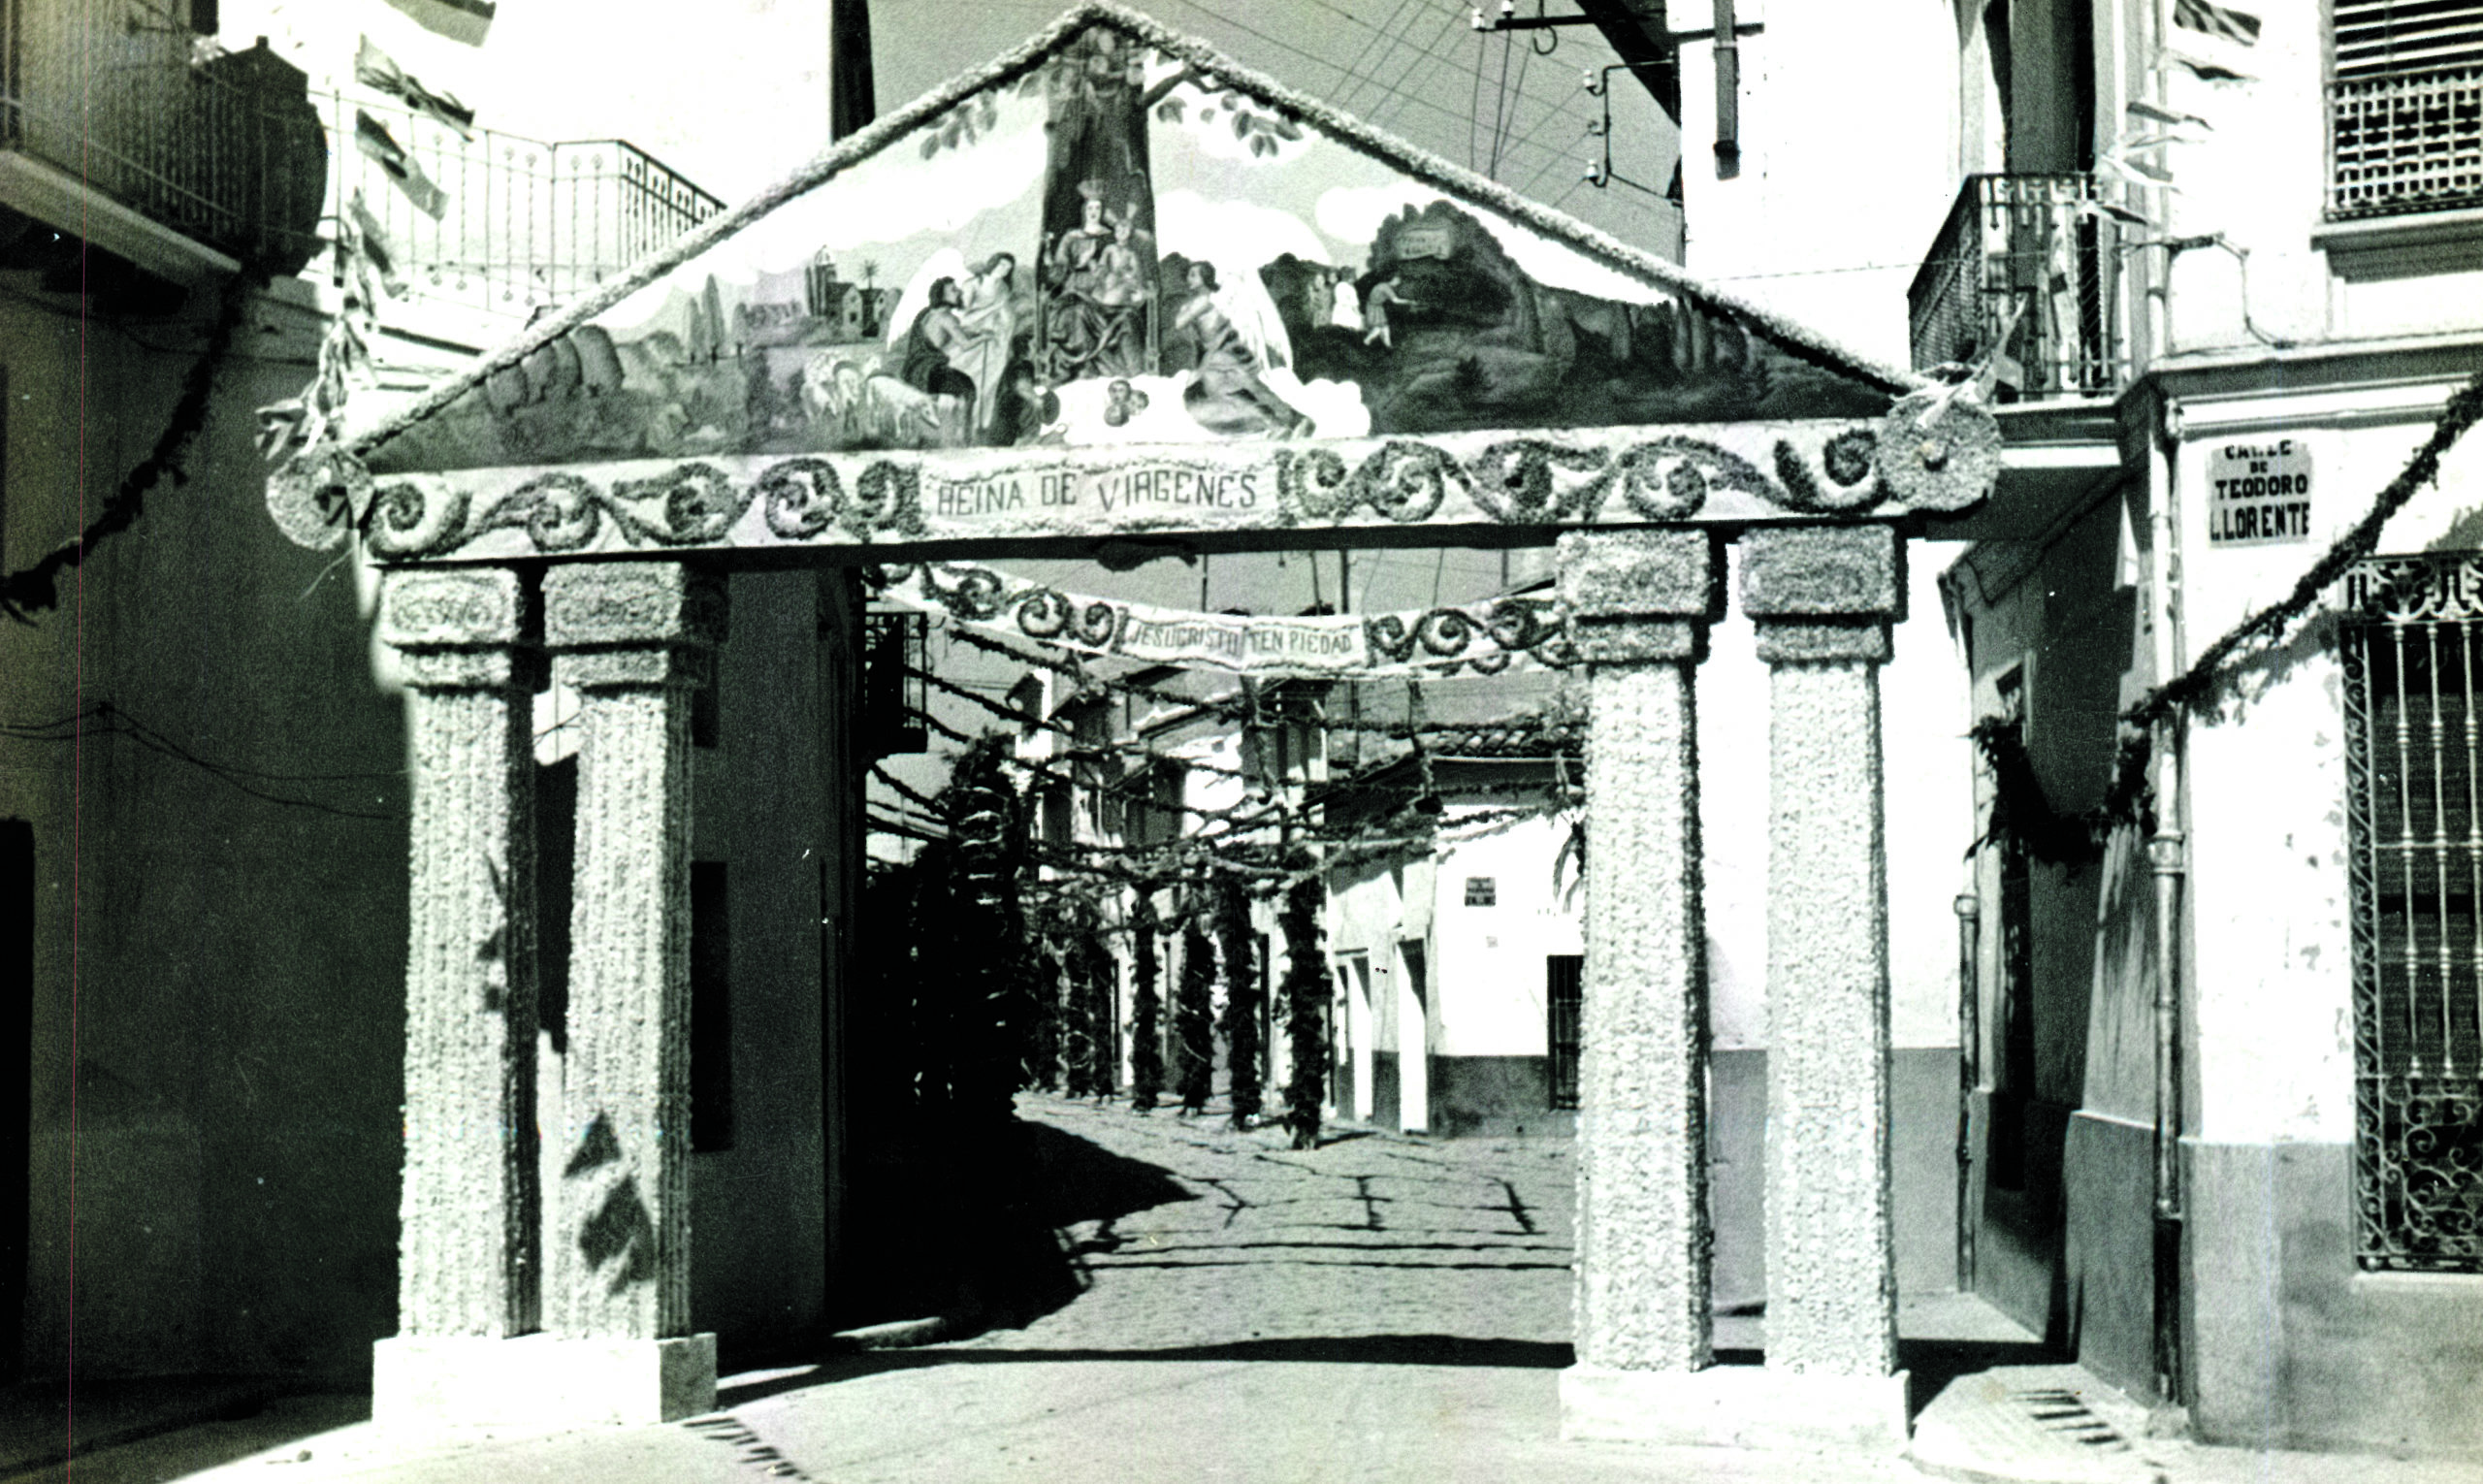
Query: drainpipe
[2168,857]
[1729,92]
[1969,909]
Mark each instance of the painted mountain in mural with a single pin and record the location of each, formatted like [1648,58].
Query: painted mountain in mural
[1121,241]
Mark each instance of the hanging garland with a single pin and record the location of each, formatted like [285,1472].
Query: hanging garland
[1306,998]
[2023,818]
[1241,996]
[1145,1030]
[1194,1017]
[36,586]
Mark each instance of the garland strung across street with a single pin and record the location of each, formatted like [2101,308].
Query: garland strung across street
[1483,638]
[2020,813]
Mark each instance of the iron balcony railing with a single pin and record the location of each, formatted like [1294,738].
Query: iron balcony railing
[2407,142]
[524,223]
[223,148]
[2039,248]
[232,150]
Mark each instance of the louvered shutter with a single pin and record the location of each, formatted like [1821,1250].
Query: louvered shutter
[2381,37]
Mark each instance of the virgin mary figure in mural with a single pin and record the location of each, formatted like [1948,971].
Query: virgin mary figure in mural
[1096,293]
[1227,396]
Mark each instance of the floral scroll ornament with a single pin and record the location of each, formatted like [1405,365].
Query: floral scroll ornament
[319,497]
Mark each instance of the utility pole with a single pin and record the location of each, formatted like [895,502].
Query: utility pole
[850,101]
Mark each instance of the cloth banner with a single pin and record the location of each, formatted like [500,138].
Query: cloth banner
[1492,637]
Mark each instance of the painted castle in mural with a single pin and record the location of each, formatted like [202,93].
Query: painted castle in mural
[1120,248]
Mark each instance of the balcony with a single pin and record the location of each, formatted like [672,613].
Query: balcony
[2040,247]
[115,127]
[525,223]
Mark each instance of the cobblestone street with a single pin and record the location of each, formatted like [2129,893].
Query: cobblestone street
[1371,1234]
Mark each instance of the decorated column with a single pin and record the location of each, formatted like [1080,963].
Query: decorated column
[1822,598]
[1639,603]
[633,639]
[468,1264]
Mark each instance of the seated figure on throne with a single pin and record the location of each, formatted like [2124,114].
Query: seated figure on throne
[1096,288]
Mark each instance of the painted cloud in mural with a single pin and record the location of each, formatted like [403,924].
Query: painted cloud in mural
[1118,248]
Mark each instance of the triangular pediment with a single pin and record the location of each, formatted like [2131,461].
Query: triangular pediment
[1115,236]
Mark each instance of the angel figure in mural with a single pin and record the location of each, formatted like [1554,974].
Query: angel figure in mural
[1227,396]
[987,330]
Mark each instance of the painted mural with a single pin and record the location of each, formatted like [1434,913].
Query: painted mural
[1118,247]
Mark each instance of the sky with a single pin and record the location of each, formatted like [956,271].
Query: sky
[733,93]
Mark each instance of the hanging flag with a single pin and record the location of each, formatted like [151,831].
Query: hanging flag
[2219,20]
[2158,113]
[376,249]
[2206,71]
[466,21]
[372,139]
[375,69]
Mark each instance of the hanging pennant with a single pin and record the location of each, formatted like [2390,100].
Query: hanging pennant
[376,249]
[464,21]
[373,68]
[372,139]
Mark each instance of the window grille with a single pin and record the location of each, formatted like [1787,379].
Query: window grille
[1565,1000]
[2405,107]
[893,701]
[2411,654]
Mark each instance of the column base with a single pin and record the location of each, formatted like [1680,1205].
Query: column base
[1736,1406]
[539,1382]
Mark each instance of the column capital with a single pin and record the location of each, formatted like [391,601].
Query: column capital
[1822,593]
[1640,597]
[457,629]
[632,623]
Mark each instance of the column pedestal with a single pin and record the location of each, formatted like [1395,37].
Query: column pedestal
[1735,1407]
[539,1382]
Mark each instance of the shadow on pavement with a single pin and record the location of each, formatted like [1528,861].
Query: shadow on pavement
[1933,1364]
[1340,1350]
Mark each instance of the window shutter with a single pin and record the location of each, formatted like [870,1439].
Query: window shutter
[2376,38]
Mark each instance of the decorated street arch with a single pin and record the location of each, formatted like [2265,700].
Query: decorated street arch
[1110,296]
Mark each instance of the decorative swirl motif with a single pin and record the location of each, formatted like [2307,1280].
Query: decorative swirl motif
[888,497]
[404,523]
[801,497]
[1848,456]
[978,596]
[1445,633]
[1044,614]
[1312,483]
[701,503]
[1513,481]
[1099,624]
[1407,481]
[558,512]
[1804,492]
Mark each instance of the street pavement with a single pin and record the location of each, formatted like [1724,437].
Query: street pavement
[1221,1307]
